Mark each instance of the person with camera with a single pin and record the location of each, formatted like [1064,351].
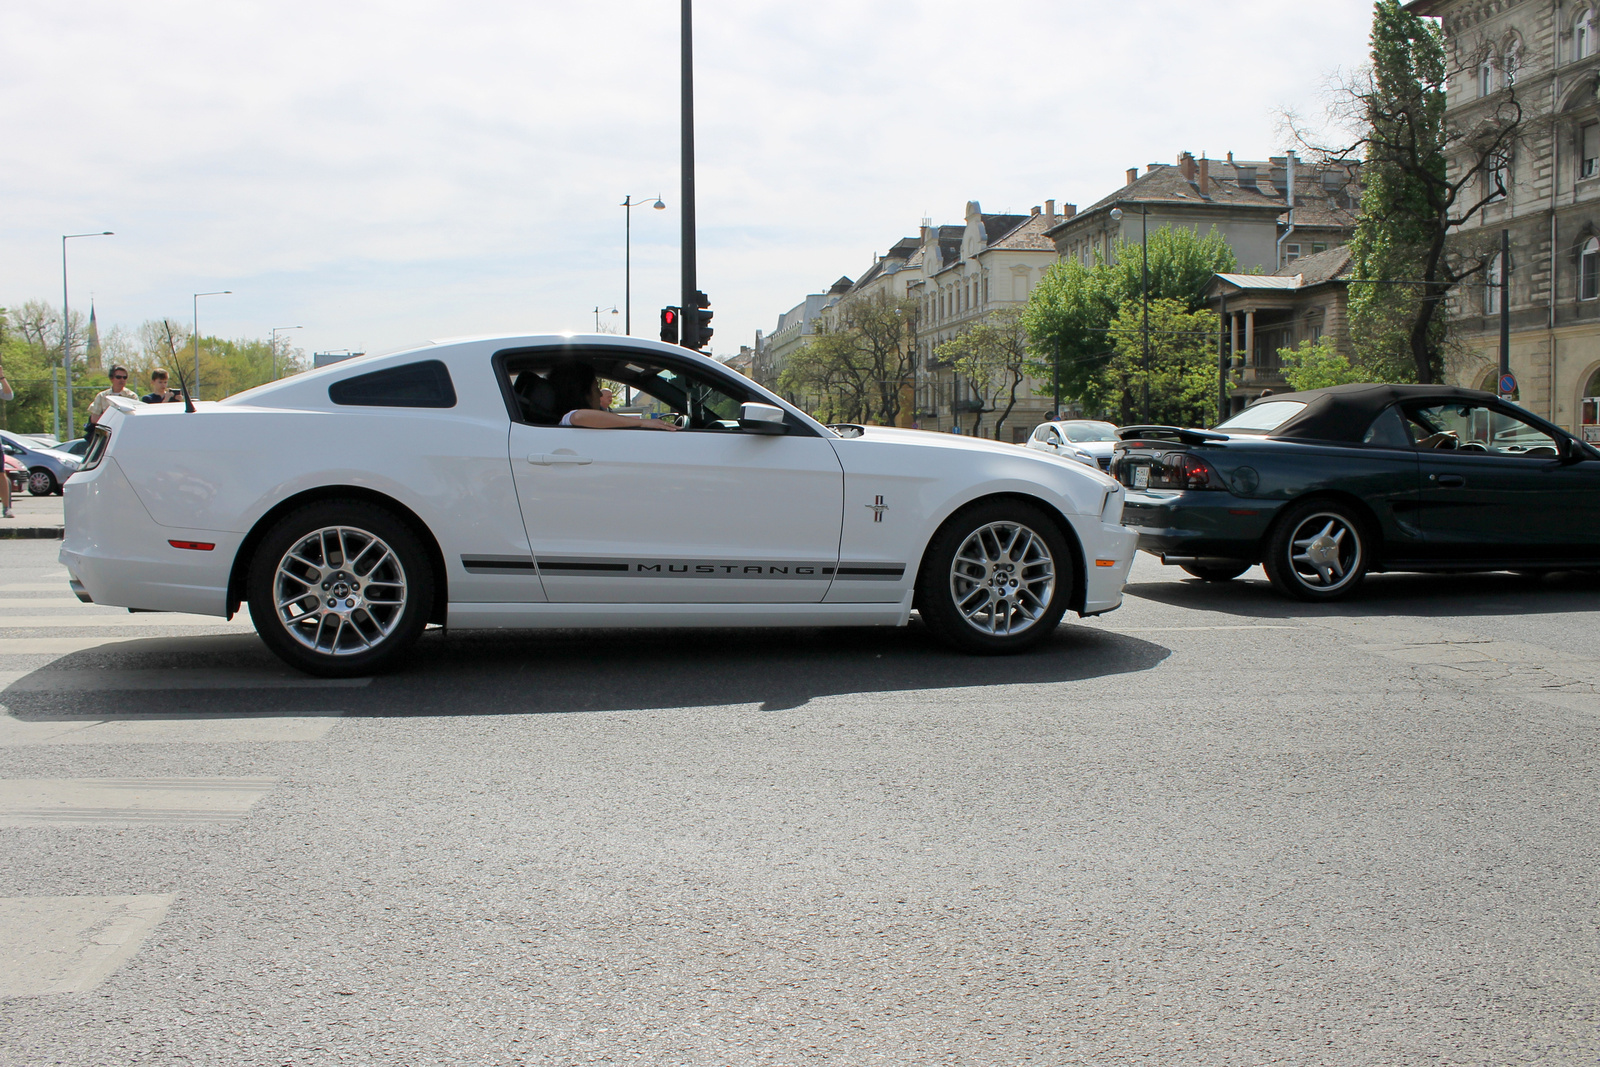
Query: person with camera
[159,393]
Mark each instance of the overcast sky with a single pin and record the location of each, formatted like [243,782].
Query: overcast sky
[388,173]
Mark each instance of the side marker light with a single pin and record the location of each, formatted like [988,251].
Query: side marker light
[1105,563]
[198,546]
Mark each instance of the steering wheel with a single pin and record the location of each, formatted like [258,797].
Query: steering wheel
[1473,446]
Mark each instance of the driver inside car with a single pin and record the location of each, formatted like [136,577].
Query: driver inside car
[579,394]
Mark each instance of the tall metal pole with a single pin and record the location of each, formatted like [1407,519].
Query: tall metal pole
[1505,308]
[1222,363]
[689,328]
[627,267]
[1144,293]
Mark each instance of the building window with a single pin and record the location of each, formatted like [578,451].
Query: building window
[1491,291]
[1589,151]
[1589,270]
[1583,33]
[1497,179]
[1291,253]
[1513,60]
[1318,246]
[1486,77]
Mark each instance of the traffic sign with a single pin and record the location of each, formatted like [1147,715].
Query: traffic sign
[1508,384]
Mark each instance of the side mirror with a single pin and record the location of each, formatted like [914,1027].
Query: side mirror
[762,419]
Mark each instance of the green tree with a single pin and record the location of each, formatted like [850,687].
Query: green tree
[993,355]
[1403,261]
[860,369]
[1070,312]
[1317,364]
[1180,368]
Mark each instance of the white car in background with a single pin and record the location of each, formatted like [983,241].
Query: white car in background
[1086,440]
[353,505]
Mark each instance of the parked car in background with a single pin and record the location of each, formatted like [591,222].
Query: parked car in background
[1078,438]
[438,485]
[47,468]
[1321,487]
[75,447]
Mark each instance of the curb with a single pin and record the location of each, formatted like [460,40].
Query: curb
[50,533]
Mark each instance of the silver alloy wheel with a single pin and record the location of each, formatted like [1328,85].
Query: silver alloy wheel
[339,591]
[41,482]
[1003,578]
[1325,551]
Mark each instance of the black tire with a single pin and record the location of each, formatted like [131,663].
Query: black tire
[356,616]
[41,482]
[1022,591]
[1215,574]
[1318,550]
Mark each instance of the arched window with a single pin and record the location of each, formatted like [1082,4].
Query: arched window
[1589,270]
[1583,33]
[1491,290]
[1486,76]
[1512,62]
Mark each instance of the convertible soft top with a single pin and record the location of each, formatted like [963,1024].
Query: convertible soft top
[1344,412]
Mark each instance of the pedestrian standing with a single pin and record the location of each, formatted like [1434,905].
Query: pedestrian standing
[102,399]
[6,395]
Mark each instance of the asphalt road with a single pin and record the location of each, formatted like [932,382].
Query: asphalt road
[1213,827]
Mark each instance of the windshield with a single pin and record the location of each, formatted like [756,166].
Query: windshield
[1263,418]
[1079,432]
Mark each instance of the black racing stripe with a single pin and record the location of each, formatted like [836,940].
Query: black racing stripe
[608,567]
[892,572]
[478,563]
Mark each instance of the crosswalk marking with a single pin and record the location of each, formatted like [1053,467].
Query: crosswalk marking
[121,802]
[61,646]
[176,729]
[111,679]
[141,621]
[55,945]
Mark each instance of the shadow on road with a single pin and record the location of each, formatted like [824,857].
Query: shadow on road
[1412,595]
[503,672]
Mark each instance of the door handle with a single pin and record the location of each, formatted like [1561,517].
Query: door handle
[1449,481]
[557,459]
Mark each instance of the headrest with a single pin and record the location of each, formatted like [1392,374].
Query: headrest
[538,399]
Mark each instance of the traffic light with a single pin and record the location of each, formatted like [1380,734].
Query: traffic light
[702,318]
[669,325]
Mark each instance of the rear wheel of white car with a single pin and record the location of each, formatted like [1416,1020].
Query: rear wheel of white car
[41,482]
[340,589]
[996,578]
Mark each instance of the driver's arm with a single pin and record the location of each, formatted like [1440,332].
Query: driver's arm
[606,420]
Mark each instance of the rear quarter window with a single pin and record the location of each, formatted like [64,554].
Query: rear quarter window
[413,385]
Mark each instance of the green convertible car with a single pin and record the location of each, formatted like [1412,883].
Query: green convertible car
[1322,486]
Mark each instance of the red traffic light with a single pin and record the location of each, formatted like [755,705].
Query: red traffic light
[669,325]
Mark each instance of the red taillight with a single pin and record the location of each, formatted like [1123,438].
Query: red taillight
[1184,470]
[197,546]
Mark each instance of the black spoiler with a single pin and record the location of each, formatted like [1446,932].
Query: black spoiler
[1188,437]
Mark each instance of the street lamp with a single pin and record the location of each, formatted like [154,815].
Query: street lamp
[276,330]
[597,310]
[66,333]
[628,204]
[197,296]
[1144,290]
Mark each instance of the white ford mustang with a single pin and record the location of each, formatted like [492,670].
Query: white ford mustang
[353,505]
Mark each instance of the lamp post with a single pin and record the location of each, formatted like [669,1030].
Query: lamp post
[66,333]
[597,310]
[276,330]
[628,204]
[1144,290]
[197,296]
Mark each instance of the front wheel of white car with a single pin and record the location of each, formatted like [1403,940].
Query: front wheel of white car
[996,578]
[340,589]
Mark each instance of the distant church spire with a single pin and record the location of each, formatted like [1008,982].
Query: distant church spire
[91,352]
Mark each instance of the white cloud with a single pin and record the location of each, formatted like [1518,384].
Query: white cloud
[388,172]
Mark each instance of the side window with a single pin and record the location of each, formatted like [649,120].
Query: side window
[415,385]
[1476,428]
[1388,431]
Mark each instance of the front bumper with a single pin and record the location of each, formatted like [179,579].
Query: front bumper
[1198,523]
[1108,556]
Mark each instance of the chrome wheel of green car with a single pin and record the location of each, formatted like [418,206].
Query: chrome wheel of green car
[1317,552]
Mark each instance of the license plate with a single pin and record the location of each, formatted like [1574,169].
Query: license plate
[1141,477]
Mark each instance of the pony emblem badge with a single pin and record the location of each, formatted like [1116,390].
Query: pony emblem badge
[878,508]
